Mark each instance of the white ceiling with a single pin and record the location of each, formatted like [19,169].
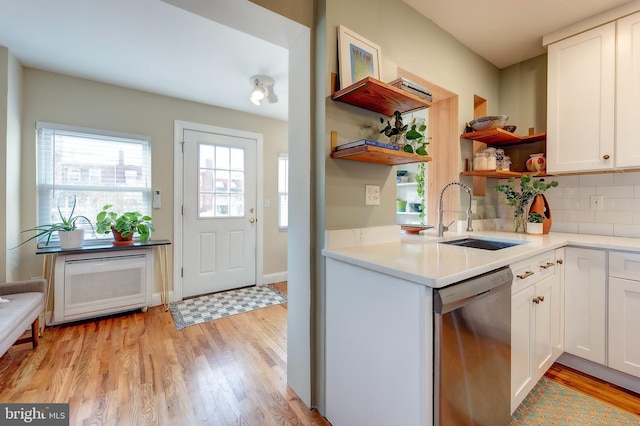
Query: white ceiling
[160,47]
[506,32]
[148,45]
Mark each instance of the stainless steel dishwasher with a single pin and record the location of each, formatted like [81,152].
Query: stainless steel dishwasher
[472,351]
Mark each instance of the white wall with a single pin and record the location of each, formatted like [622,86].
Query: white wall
[64,99]
[570,204]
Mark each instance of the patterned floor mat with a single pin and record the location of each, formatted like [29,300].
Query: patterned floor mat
[550,403]
[219,305]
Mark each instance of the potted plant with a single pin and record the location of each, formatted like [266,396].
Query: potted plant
[534,223]
[401,204]
[123,226]
[70,235]
[529,188]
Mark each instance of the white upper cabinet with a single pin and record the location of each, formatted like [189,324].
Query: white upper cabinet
[581,101]
[594,99]
[628,96]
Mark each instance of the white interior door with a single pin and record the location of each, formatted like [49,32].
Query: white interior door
[219,212]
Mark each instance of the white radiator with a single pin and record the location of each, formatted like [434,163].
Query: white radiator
[95,284]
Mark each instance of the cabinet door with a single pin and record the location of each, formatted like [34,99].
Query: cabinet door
[585,303]
[624,325]
[545,311]
[558,312]
[522,330]
[581,101]
[628,92]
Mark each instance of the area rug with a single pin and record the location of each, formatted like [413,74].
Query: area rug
[219,305]
[550,403]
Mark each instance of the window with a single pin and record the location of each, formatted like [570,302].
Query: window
[222,175]
[283,191]
[96,167]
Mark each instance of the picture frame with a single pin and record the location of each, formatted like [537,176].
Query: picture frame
[358,57]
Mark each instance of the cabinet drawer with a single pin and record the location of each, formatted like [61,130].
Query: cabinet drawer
[624,265]
[532,270]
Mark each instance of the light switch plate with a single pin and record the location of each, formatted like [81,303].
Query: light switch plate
[372,195]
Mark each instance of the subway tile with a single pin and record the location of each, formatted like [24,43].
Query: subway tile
[578,216]
[565,227]
[595,228]
[632,231]
[626,191]
[567,181]
[626,204]
[571,192]
[568,204]
[636,218]
[636,190]
[628,178]
[584,203]
[599,179]
[612,217]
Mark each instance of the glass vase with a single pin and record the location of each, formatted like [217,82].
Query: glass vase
[520,222]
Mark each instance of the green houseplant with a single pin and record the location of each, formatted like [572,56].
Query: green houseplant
[68,232]
[534,223]
[123,226]
[529,188]
[401,204]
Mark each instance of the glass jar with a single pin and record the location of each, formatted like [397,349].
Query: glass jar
[505,164]
[480,160]
[491,158]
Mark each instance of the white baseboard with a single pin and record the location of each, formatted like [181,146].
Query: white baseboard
[601,372]
[274,278]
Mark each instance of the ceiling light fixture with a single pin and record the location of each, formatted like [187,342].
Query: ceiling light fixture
[262,88]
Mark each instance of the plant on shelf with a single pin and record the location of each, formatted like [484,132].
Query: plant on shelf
[420,190]
[68,232]
[123,225]
[411,140]
[401,204]
[529,188]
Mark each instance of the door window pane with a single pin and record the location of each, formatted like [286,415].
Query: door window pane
[221,174]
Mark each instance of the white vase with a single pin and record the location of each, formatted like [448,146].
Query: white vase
[534,228]
[71,239]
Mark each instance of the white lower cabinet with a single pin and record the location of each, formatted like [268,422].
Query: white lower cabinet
[536,332]
[624,312]
[585,303]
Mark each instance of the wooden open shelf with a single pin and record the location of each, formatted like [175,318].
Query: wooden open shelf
[501,174]
[500,137]
[374,154]
[380,97]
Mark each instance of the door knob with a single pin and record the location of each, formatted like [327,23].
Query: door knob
[251,220]
[606,157]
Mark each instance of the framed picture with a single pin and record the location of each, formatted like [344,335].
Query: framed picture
[358,57]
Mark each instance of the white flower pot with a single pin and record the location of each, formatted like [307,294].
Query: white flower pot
[71,239]
[534,228]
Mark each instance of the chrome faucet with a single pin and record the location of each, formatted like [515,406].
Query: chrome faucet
[441,227]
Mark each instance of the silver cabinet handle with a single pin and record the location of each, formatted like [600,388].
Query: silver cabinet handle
[547,265]
[525,275]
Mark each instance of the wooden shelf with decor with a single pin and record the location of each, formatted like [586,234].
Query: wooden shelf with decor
[374,154]
[501,174]
[374,95]
[500,137]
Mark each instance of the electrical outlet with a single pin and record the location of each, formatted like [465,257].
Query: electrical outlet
[596,202]
[372,195]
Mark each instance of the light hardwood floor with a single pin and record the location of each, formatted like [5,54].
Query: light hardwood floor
[136,369]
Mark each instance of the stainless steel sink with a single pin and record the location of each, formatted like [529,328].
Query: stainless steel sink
[482,244]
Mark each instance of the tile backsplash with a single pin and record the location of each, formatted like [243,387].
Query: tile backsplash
[570,204]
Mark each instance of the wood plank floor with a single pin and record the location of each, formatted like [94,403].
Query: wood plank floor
[603,391]
[136,369]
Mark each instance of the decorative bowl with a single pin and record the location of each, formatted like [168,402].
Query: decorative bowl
[401,172]
[414,229]
[509,128]
[416,207]
[488,122]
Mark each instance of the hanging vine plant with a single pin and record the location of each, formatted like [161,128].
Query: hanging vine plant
[420,190]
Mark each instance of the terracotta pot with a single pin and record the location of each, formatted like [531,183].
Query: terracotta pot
[119,240]
[541,205]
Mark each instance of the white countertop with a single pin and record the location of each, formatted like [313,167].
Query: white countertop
[422,260]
